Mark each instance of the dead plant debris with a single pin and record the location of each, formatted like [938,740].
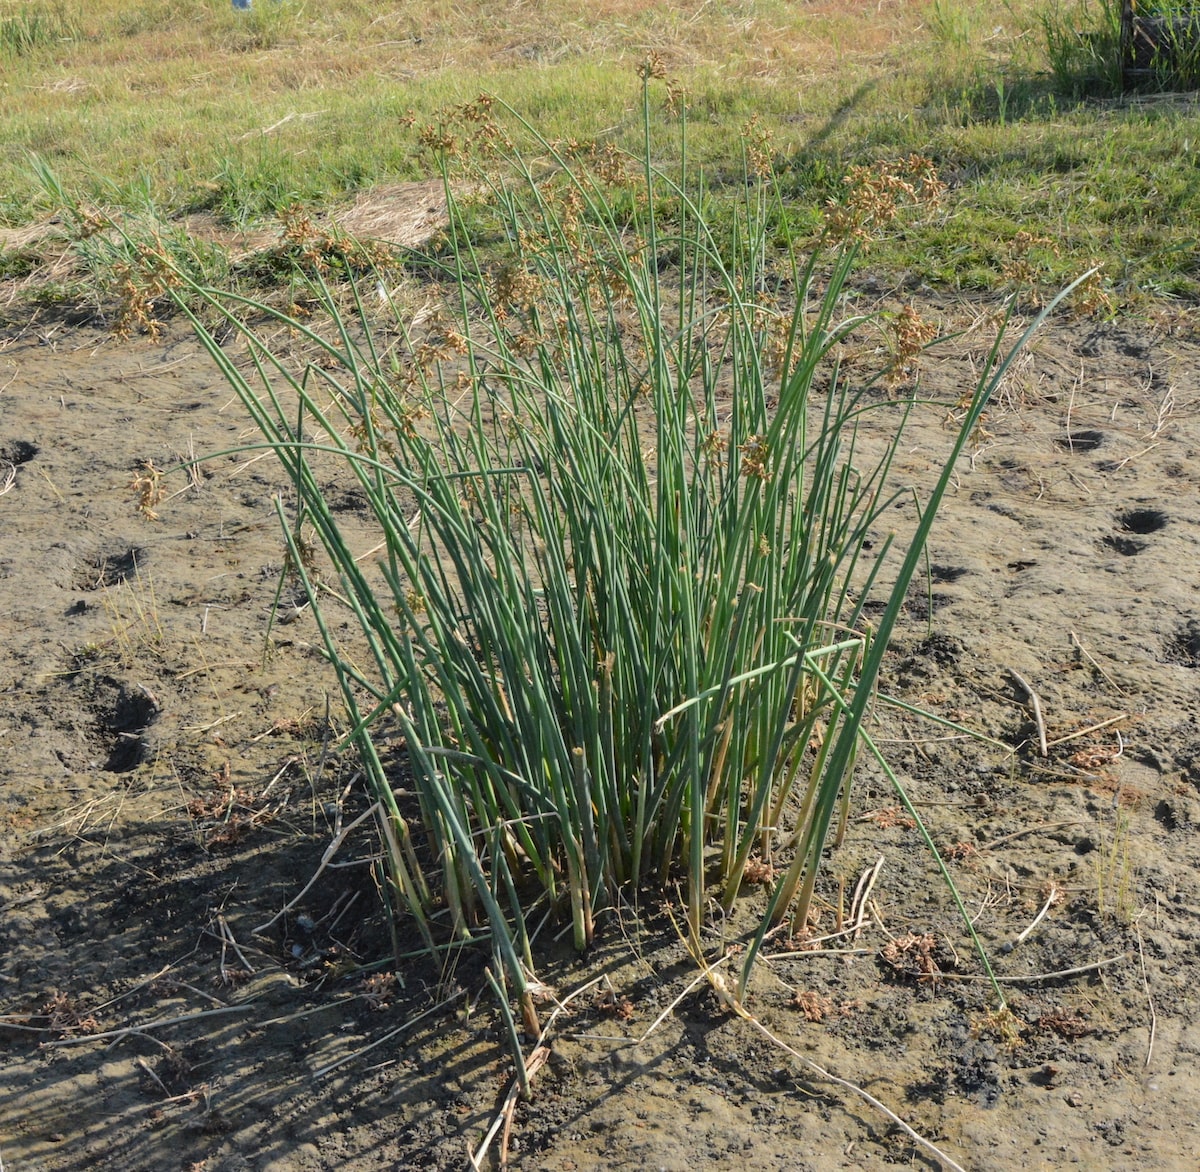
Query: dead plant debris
[818,1006]
[1066,1023]
[919,957]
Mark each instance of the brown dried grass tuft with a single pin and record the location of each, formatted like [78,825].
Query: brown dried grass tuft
[406,214]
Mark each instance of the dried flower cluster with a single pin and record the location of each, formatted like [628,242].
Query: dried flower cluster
[757,872]
[655,66]
[756,141]
[1091,298]
[379,989]
[875,195]
[1019,267]
[64,1017]
[755,457]
[1066,1023]
[605,161]
[466,131]
[148,484]
[818,1006]
[230,812]
[515,287]
[610,1004]
[138,283]
[909,335]
[890,816]
[320,248]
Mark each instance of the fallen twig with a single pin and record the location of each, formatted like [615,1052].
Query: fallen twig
[731,1002]
[821,1072]
[1091,728]
[146,1027]
[1087,655]
[263,131]
[862,893]
[1149,999]
[536,1060]
[1036,706]
[1050,900]
[1034,978]
[538,1057]
[331,850]
[227,939]
[984,846]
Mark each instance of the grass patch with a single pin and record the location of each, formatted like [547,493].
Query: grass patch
[1084,47]
[30,28]
[196,107]
[1096,49]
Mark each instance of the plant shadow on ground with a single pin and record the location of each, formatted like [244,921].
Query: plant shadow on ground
[158,923]
[132,934]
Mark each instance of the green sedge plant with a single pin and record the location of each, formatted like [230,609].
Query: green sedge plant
[609,596]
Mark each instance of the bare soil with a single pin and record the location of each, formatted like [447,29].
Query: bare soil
[171,782]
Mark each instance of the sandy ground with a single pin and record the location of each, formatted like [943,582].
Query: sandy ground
[169,784]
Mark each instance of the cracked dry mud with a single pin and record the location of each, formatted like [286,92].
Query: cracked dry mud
[168,786]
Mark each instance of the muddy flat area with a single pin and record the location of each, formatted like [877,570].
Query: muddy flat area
[170,781]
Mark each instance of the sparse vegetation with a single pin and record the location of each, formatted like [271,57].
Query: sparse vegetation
[1114,870]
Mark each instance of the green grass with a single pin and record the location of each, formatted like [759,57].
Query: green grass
[1083,46]
[204,108]
[31,28]
[1091,55]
